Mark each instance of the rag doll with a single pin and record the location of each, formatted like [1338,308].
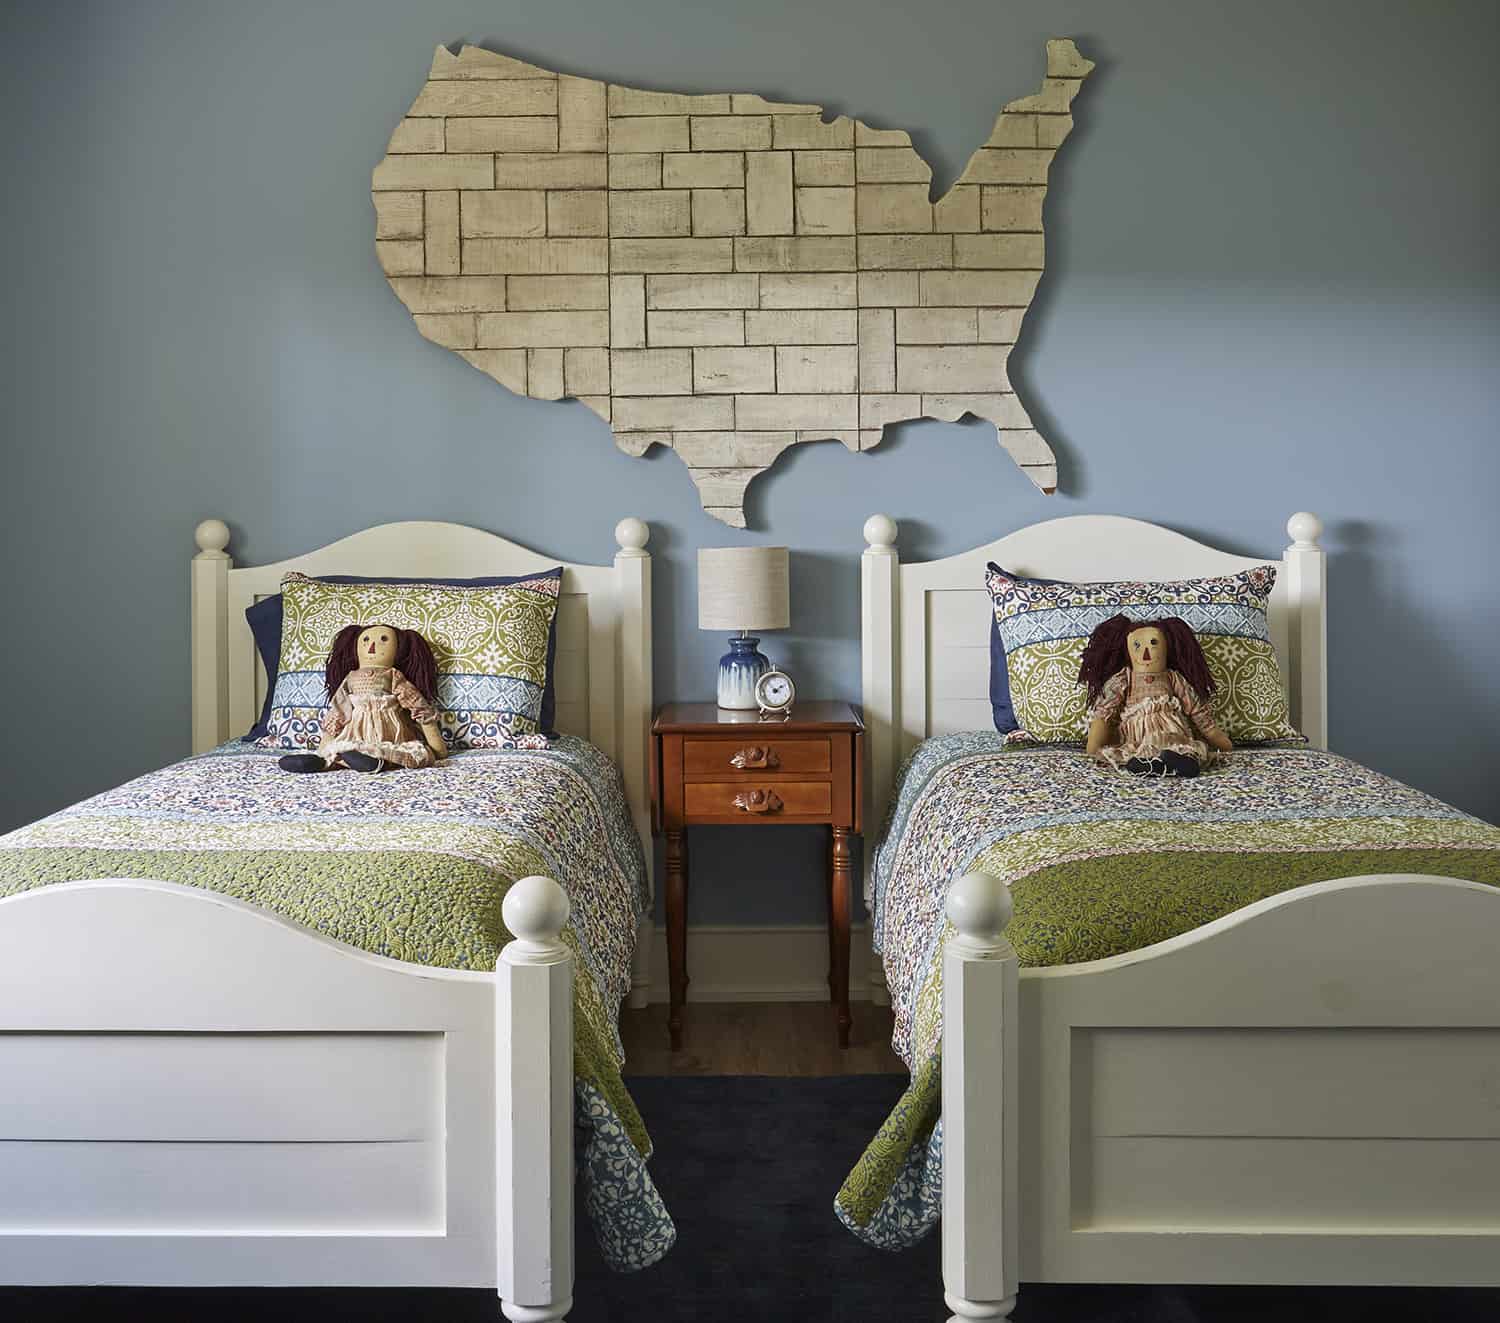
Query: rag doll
[382,693]
[1148,691]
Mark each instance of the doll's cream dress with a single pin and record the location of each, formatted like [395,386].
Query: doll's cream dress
[379,712]
[1155,714]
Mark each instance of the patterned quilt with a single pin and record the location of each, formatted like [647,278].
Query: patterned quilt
[1101,863]
[411,865]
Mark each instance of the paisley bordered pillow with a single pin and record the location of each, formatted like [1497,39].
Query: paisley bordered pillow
[490,644]
[1045,625]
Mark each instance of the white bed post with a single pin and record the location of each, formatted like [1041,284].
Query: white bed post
[981,1098]
[1307,586]
[880,571]
[534,1106]
[210,628]
[633,569]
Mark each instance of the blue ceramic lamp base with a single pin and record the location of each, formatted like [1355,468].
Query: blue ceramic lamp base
[739,669]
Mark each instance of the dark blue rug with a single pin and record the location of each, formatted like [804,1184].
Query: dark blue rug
[749,1167]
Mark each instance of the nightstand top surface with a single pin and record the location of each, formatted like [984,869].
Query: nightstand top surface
[812,714]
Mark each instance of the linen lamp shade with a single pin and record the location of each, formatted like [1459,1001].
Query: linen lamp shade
[743,588]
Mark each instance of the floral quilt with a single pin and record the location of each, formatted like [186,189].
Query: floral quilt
[1101,863]
[411,865]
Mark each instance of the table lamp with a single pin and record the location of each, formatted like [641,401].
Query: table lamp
[742,588]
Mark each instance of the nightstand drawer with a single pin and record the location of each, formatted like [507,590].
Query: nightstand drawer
[755,756]
[754,799]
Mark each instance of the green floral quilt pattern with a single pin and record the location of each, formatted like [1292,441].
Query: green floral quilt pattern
[412,865]
[1099,864]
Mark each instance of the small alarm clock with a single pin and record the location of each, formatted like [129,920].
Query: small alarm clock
[775,693]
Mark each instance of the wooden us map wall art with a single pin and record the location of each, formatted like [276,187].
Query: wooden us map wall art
[718,273]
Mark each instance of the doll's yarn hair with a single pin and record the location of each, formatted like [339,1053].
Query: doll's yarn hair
[414,658]
[1108,653]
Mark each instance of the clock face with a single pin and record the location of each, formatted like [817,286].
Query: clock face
[775,690]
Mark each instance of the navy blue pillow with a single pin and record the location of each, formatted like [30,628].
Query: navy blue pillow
[264,619]
[1004,714]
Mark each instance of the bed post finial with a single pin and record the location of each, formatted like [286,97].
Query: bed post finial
[534,1114]
[632,534]
[981,1101]
[1306,579]
[880,534]
[212,537]
[1304,528]
[535,909]
[979,906]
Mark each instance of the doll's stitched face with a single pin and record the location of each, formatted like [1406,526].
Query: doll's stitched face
[1148,650]
[377,647]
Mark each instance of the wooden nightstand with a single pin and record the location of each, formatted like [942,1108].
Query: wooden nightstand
[713,766]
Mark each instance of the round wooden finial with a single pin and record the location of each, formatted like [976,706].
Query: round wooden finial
[880,531]
[979,906]
[212,536]
[632,534]
[1304,528]
[534,911]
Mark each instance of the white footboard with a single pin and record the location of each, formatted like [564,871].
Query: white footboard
[1306,1091]
[196,1092]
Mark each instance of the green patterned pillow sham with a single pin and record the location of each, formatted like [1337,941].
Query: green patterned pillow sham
[490,644]
[1044,627]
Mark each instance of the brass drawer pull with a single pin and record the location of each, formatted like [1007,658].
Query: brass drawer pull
[757,756]
[758,801]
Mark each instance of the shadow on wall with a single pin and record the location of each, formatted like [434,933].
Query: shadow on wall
[1413,665]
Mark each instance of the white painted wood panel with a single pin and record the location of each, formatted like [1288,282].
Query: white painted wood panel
[204,1087]
[126,1188]
[955,715]
[172,975]
[1208,1185]
[1190,1109]
[1346,1083]
[958,619]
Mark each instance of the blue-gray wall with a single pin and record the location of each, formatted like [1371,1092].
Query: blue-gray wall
[1272,285]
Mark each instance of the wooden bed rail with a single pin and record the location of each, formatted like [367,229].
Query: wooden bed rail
[534,1098]
[981,1101]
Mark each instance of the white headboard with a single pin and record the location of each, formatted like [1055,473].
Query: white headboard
[603,664]
[926,626]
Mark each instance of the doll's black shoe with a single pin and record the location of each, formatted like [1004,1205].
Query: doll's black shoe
[1146,767]
[1180,764]
[301,762]
[362,762]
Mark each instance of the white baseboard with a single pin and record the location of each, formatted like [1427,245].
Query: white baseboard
[761,964]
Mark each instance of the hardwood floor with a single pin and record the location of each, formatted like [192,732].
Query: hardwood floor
[759,1038]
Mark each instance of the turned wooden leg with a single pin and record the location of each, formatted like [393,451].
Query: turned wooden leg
[833,995]
[677,886]
[840,879]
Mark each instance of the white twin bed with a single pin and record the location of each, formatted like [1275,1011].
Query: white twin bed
[1305,1091]
[198,1091]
